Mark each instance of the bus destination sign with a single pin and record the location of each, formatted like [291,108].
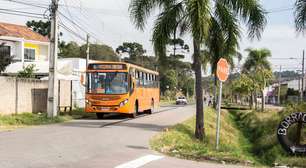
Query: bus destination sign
[107,67]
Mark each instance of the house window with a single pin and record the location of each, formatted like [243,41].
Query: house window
[29,54]
[5,51]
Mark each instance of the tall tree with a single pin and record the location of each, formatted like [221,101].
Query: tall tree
[193,17]
[135,51]
[100,52]
[41,27]
[258,65]
[69,50]
[178,44]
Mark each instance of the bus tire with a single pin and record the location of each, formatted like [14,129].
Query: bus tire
[282,134]
[100,115]
[135,112]
[151,111]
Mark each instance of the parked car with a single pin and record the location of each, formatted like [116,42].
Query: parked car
[181,100]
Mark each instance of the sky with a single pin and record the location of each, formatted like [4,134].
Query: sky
[108,22]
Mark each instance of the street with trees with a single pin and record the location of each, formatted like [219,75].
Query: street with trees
[196,18]
[255,77]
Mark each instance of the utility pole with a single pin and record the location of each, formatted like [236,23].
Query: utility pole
[87,50]
[53,84]
[279,85]
[303,76]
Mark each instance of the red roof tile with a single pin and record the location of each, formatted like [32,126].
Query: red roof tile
[19,31]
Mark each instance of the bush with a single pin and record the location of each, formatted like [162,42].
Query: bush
[27,119]
[260,128]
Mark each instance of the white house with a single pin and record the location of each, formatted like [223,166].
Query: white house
[25,46]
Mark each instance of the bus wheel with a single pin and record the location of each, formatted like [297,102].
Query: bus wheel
[100,115]
[151,111]
[135,112]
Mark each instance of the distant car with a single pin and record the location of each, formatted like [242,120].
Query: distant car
[181,100]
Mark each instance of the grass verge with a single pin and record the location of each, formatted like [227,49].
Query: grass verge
[260,128]
[179,141]
[9,122]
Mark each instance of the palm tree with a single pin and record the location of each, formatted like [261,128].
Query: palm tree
[195,18]
[258,64]
[300,15]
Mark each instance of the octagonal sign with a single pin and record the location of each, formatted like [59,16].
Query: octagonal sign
[222,70]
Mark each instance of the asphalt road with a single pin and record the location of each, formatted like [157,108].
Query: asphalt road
[115,142]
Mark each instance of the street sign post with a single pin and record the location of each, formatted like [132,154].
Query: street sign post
[222,74]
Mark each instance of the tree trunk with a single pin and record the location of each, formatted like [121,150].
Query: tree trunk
[263,101]
[255,99]
[215,92]
[199,130]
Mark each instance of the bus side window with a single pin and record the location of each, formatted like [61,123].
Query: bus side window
[131,85]
[154,82]
[137,77]
[151,80]
[144,79]
[141,79]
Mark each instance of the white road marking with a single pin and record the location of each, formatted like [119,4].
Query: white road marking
[140,161]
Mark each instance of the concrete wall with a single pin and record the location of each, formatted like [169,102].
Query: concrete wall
[65,93]
[28,95]
[7,95]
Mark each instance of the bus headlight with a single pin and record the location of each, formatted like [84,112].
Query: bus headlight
[124,102]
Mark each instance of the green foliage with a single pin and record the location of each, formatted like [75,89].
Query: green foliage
[100,52]
[41,27]
[180,43]
[96,51]
[5,60]
[260,129]
[292,92]
[256,74]
[168,80]
[257,60]
[135,51]
[70,50]
[27,119]
[27,72]
[182,73]
[243,85]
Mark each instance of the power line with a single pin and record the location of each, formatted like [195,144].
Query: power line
[24,15]
[77,25]
[81,21]
[71,31]
[88,17]
[22,12]
[280,10]
[25,3]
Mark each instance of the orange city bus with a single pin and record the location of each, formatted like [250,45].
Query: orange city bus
[117,87]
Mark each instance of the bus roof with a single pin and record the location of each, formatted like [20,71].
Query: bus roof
[128,65]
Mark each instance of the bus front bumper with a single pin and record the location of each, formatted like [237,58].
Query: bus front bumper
[107,109]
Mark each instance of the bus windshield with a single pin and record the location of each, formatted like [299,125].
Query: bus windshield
[108,83]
